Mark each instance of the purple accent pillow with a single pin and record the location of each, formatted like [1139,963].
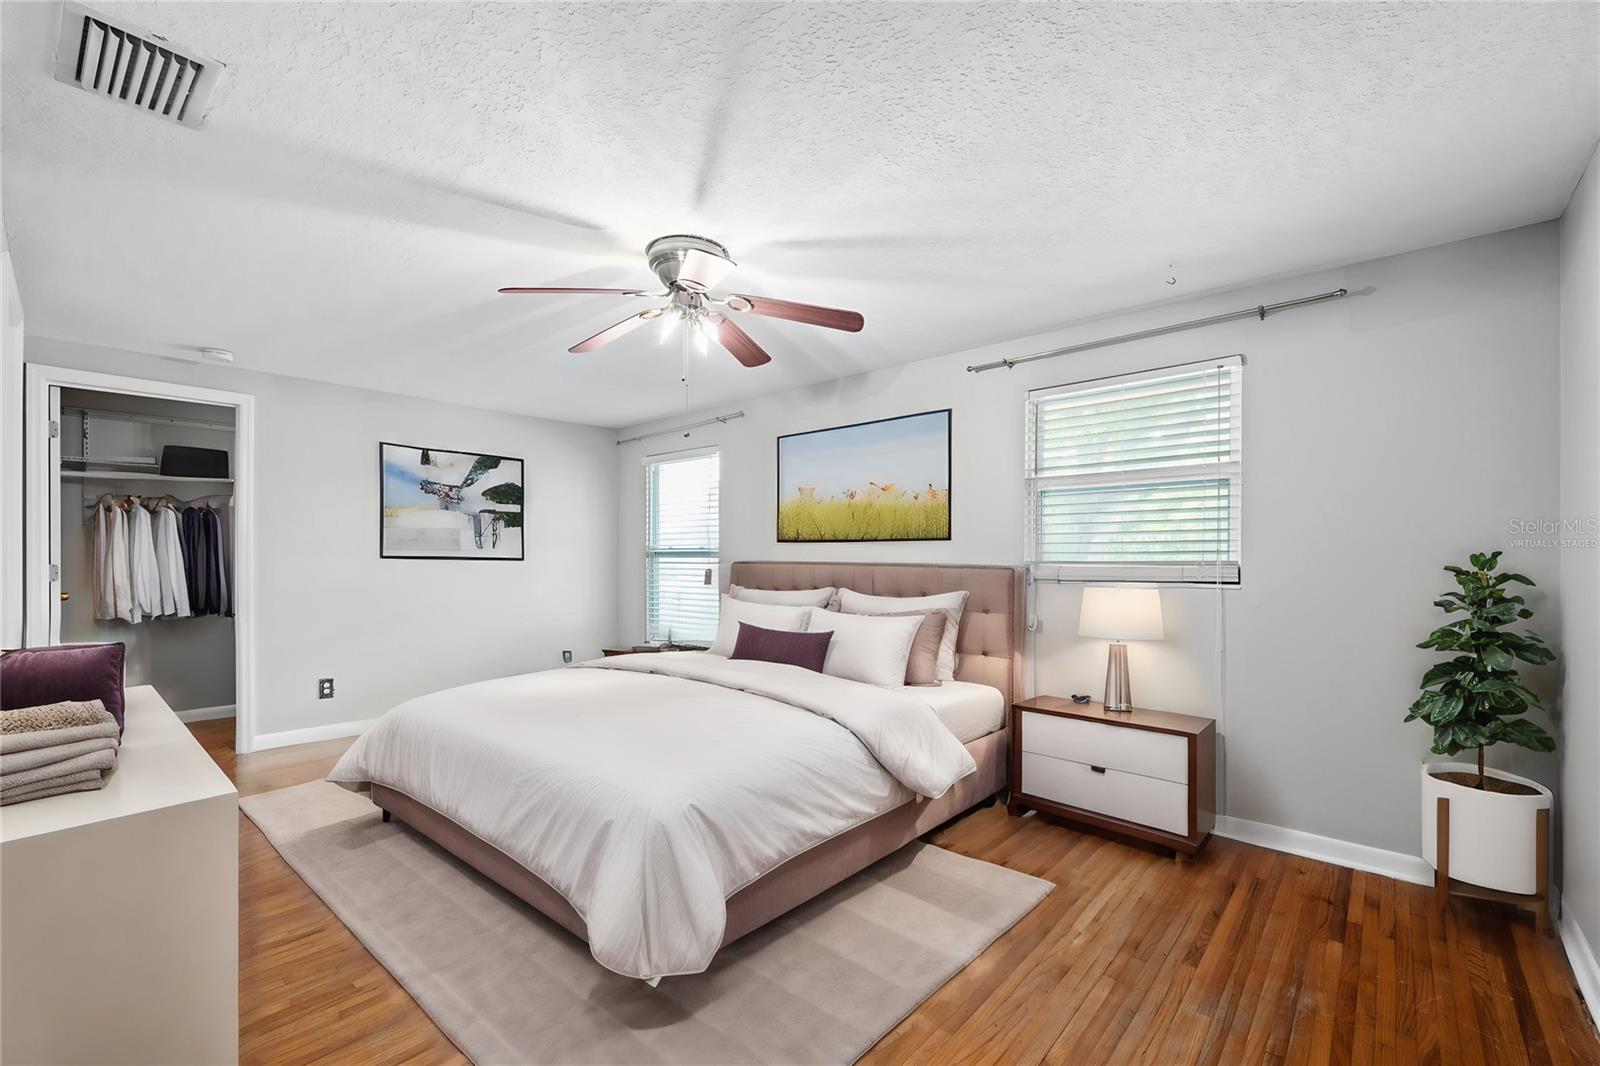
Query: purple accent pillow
[33,677]
[780,646]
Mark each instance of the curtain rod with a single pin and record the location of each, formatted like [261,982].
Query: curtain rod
[1260,310]
[682,429]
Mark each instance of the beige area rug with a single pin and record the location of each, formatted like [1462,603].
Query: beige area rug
[819,985]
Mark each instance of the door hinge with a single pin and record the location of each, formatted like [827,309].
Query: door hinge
[55,571]
[55,429]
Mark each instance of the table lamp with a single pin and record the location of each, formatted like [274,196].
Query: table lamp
[1119,614]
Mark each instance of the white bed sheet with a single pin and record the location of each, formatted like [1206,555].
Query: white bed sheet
[967,709]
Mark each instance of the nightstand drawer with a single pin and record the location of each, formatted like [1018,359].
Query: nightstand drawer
[1116,747]
[1131,797]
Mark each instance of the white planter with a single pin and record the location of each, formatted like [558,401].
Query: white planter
[1493,838]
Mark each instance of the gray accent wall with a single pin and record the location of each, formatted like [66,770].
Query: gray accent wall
[1385,435]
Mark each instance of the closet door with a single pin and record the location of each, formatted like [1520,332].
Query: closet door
[54,599]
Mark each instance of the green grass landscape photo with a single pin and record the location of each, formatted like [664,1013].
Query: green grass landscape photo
[885,480]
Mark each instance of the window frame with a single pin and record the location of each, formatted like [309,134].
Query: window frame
[651,464]
[1187,573]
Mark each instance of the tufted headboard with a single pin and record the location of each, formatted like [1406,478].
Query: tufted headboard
[989,647]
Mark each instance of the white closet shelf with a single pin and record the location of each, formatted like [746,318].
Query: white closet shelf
[135,475]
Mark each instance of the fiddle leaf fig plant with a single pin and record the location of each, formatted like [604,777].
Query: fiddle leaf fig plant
[1474,699]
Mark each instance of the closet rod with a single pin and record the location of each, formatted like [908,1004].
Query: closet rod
[209,500]
[683,429]
[1259,311]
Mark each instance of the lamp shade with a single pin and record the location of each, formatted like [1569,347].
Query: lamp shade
[1120,614]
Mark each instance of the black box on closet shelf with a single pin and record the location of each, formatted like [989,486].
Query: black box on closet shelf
[179,460]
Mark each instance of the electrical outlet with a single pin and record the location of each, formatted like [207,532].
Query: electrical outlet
[324,688]
[566,656]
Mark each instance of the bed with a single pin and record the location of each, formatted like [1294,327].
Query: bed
[663,805]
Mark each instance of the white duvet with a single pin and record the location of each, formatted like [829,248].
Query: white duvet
[647,789]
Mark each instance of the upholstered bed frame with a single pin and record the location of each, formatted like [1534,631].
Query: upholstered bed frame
[989,649]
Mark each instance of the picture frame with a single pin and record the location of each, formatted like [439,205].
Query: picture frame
[887,479]
[473,509]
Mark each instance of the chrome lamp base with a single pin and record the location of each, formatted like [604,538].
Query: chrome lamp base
[1119,694]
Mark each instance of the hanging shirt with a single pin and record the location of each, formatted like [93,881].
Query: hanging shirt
[142,566]
[195,559]
[169,563]
[121,576]
[105,606]
[216,541]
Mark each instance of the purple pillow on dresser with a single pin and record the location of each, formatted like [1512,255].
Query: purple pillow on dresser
[33,677]
[781,646]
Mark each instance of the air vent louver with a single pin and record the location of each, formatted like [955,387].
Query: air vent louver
[141,69]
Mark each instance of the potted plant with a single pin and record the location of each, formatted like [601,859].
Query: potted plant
[1473,700]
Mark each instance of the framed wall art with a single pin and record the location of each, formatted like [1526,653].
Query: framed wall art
[882,480]
[443,504]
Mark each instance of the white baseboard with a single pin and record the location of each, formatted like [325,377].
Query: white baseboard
[1394,864]
[205,714]
[1584,967]
[331,731]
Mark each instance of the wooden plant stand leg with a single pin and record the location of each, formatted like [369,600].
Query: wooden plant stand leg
[1541,872]
[1441,854]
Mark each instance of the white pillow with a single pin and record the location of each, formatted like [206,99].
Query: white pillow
[795,598]
[765,615]
[952,603]
[865,648]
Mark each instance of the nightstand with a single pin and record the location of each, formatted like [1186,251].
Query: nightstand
[1146,774]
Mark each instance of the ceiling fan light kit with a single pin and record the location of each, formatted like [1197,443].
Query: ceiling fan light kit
[690,267]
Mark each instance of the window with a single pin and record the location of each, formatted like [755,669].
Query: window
[681,514]
[1137,478]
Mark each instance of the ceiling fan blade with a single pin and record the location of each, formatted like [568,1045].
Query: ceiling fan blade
[602,292]
[702,270]
[739,343]
[611,333]
[810,314]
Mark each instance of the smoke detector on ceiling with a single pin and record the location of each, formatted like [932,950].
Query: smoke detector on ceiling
[123,62]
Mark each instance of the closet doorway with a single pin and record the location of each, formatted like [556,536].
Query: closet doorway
[138,516]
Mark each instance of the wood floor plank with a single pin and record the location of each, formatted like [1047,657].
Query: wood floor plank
[1242,955]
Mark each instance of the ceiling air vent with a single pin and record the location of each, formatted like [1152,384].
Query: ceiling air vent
[144,70]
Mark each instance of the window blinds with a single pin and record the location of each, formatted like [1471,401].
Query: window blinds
[681,535]
[1138,477]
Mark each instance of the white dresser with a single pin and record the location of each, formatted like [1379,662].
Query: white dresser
[119,909]
[1148,774]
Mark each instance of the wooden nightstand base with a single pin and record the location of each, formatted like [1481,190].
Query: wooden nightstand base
[1183,848]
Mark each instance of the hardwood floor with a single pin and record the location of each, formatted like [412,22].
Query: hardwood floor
[1242,956]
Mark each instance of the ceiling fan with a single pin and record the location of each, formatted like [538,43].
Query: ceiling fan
[690,267]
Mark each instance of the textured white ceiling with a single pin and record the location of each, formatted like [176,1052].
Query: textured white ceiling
[960,174]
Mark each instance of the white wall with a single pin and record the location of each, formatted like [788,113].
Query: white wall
[1385,436]
[1580,574]
[10,451]
[389,629]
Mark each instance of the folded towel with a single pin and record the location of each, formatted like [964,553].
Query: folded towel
[13,761]
[62,715]
[97,776]
[53,790]
[105,759]
[48,738]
